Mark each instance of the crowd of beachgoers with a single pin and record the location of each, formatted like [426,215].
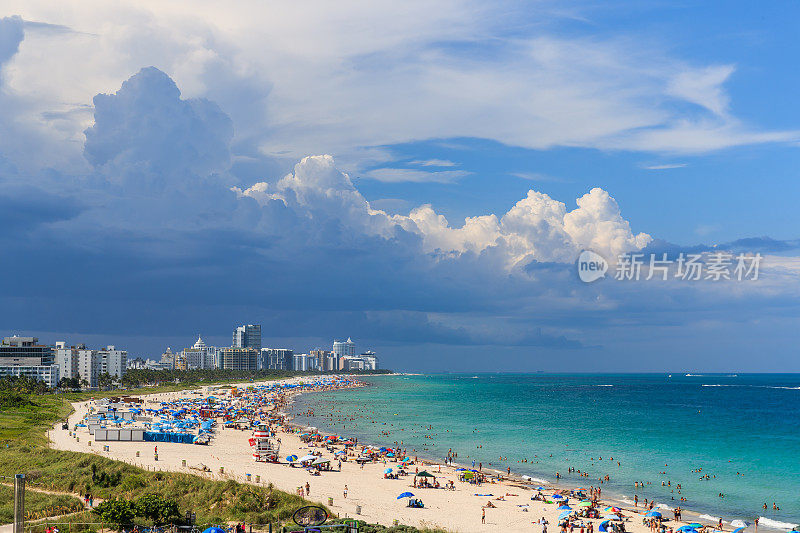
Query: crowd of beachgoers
[382,484]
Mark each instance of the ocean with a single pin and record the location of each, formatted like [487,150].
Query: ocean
[742,431]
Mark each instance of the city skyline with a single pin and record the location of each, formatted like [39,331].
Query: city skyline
[422,177]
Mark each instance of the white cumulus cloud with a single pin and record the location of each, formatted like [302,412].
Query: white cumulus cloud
[536,228]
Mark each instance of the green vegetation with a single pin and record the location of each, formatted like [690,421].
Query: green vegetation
[152,507]
[37,505]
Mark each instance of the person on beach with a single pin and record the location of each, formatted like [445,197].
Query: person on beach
[483,515]
[345,491]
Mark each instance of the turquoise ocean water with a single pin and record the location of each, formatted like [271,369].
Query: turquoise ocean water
[741,430]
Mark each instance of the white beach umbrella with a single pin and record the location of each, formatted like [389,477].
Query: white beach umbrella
[740,523]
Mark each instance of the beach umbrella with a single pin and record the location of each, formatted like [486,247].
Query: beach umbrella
[291,459]
[558,497]
[739,523]
[388,471]
[738,530]
[612,517]
[695,525]
[403,495]
[214,529]
[654,514]
[564,514]
[537,488]
[688,529]
[613,510]
[603,526]
[307,458]
[564,508]
[585,503]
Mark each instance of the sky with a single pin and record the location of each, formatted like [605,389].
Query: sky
[421,177]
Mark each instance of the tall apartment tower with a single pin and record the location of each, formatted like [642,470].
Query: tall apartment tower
[248,336]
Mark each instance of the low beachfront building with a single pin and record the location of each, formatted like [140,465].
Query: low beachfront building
[46,373]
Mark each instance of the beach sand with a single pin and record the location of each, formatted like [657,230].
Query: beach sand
[458,510]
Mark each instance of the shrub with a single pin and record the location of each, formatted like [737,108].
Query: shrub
[116,511]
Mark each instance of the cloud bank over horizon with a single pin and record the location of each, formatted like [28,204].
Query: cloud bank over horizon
[155,229]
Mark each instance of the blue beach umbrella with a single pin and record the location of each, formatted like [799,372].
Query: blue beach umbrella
[291,459]
[695,525]
[537,488]
[214,529]
[612,517]
[687,529]
[558,497]
[738,530]
[387,471]
[405,495]
[654,514]
[564,514]
[564,508]
[603,526]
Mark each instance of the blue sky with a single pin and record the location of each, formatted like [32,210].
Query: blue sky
[418,177]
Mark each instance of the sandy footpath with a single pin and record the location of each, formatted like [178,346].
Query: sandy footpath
[458,510]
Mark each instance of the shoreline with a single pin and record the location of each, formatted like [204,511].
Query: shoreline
[369,492]
[613,498]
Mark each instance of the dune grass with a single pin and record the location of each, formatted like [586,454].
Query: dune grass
[37,505]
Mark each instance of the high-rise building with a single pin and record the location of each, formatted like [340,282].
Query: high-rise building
[24,356]
[343,349]
[67,360]
[239,358]
[201,355]
[168,359]
[370,360]
[25,351]
[322,357]
[248,336]
[366,361]
[112,361]
[82,363]
[276,359]
[88,366]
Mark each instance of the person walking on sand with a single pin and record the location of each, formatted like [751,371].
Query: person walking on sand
[483,515]
[345,491]
[308,489]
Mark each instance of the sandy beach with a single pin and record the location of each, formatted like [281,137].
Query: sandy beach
[367,489]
